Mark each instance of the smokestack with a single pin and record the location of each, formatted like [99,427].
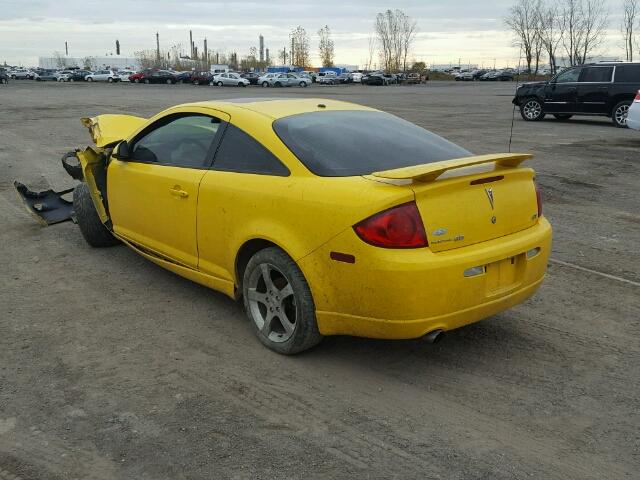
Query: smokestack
[267,56]
[205,54]
[158,46]
[261,38]
[191,43]
[66,48]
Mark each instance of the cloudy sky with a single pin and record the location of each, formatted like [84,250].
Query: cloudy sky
[449,30]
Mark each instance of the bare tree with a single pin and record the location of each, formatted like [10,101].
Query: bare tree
[523,21]
[301,55]
[395,32]
[372,50]
[585,22]
[60,59]
[326,47]
[551,27]
[629,15]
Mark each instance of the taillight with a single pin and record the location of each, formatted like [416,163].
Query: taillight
[398,227]
[637,99]
[539,200]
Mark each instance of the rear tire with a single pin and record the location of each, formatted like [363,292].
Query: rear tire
[285,295]
[91,227]
[562,116]
[89,79]
[619,114]
[531,110]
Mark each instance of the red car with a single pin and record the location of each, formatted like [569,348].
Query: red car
[137,77]
[201,78]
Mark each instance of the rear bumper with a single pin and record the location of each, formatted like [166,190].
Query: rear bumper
[633,117]
[400,294]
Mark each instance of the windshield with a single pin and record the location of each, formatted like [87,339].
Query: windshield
[346,143]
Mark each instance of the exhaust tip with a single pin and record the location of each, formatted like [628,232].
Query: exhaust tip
[435,336]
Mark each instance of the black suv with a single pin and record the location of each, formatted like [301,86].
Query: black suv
[597,89]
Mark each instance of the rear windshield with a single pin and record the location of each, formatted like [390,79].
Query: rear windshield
[346,143]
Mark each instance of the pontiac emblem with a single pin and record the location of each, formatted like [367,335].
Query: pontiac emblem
[489,193]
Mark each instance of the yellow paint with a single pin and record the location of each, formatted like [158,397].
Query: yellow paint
[108,129]
[386,293]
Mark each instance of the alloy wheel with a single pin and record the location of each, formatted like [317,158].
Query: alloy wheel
[621,114]
[272,303]
[532,109]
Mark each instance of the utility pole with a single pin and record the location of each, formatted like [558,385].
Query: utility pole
[292,55]
[261,42]
[66,48]
[117,47]
[158,47]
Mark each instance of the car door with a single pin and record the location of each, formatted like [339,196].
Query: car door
[230,198]
[593,89]
[153,194]
[561,93]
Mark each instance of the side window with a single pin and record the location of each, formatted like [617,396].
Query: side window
[239,152]
[569,76]
[180,140]
[627,73]
[596,74]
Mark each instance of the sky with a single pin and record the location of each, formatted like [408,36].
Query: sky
[449,31]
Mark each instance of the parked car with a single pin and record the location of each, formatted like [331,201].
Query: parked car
[357,77]
[124,75]
[230,79]
[391,78]
[110,76]
[606,89]
[633,116]
[4,76]
[374,79]
[264,79]
[201,78]
[183,77]
[78,75]
[414,78]
[157,76]
[63,75]
[464,77]
[418,254]
[345,78]
[309,74]
[138,76]
[43,75]
[21,73]
[288,80]
[327,78]
[252,77]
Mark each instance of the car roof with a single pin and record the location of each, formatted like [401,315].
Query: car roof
[278,107]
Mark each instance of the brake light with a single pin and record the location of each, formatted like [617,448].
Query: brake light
[398,227]
[637,99]
[539,200]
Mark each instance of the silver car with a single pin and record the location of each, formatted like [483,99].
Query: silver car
[231,79]
[633,114]
[21,73]
[264,79]
[288,80]
[103,76]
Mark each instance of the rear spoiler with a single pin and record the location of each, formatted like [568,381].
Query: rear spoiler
[431,171]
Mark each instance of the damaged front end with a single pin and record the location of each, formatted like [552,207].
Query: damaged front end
[88,165]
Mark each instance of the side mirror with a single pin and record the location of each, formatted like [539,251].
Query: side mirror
[121,152]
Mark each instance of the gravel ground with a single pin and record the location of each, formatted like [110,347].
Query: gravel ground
[112,368]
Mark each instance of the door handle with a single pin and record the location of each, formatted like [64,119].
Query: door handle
[178,192]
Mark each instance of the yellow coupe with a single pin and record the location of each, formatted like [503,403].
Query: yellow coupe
[326,217]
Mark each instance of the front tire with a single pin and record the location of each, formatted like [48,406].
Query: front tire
[619,114]
[279,304]
[91,227]
[110,80]
[531,110]
[265,84]
[89,79]
[303,84]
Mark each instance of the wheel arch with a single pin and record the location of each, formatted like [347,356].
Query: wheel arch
[247,250]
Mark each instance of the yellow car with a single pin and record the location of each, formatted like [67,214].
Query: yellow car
[326,217]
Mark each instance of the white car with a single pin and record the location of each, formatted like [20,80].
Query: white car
[264,79]
[21,73]
[123,75]
[357,77]
[63,75]
[633,115]
[103,76]
[288,80]
[232,79]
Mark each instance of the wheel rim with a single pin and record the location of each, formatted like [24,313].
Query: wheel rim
[265,84]
[532,109]
[621,114]
[272,304]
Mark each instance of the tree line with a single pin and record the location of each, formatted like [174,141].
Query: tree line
[570,28]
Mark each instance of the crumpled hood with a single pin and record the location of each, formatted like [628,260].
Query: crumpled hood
[110,129]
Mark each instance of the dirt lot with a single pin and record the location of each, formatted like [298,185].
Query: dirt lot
[112,368]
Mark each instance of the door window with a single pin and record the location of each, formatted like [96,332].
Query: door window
[569,76]
[180,140]
[239,152]
[596,74]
